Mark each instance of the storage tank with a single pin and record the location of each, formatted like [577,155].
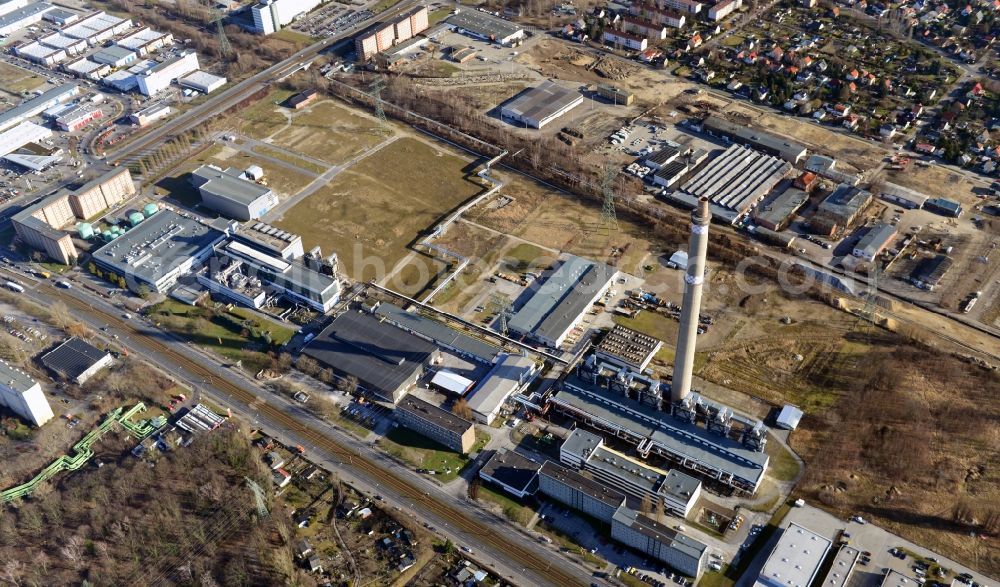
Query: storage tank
[149,209]
[86,230]
[135,218]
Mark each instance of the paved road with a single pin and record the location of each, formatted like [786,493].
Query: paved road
[493,541]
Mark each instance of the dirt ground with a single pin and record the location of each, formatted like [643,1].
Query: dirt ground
[329,132]
[937,181]
[14,80]
[370,213]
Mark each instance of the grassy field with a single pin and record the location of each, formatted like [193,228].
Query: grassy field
[298,39]
[290,159]
[225,333]
[330,132]
[372,211]
[783,465]
[513,510]
[423,453]
[279,178]
[15,80]
[266,117]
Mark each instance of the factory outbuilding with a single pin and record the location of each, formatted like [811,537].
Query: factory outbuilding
[777,213]
[156,252]
[733,182]
[41,54]
[556,306]
[615,95]
[487,27]
[78,117]
[145,41]
[840,209]
[150,114]
[439,425]
[875,240]
[679,551]
[944,207]
[232,192]
[302,99]
[21,18]
[788,418]
[845,561]
[902,196]
[115,56]
[451,339]
[35,106]
[510,374]
[627,348]
[760,140]
[385,360]
[795,560]
[23,395]
[515,474]
[76,360]
[538,106]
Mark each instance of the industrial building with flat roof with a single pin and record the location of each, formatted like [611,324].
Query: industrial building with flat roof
[628,348]
[509,375]
[58,40]
[777,213]
[841,208]
[202,81]
[427,328]
[35,106]
[482,25]
[23,395]
[27,132]
[555,307]
[679,551]
[516,474]
[579,491]
[97,28]
[439,425]
[795,560]
[386,360]
[676,492]
[156,252]
[760,140]
[115,56]
[23,17]
[76,360]
[40,53]
[150,114]
[145,41]
[844,563]
[232,193]
[158,77]
[875,240]
[733,182]
[538,106]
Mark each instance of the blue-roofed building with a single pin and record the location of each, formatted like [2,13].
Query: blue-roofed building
[944,207]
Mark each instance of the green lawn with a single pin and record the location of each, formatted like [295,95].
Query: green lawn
[783,465]
[512,509]
[423,453]
[264,118]
[238,334]
[437,16]
[524,257]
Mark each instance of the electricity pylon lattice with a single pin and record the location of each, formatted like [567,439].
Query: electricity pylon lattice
[500,304]
[225,49]
[375,90]
[609,218]
[258,497]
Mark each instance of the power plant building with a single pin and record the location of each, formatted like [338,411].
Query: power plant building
[385,35]
[538,106]
[516,474]
[510,374]
[679,551]
[627,348]
[485,26]
[579,492]
[232,193]
[386,360]
[439,425]
[795,560]
[563,297]
[733,182]
[23,395]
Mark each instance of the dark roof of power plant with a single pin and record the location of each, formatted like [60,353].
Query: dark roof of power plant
[583,484]
[437,331]
[511,469]
[431,413]
[73,357]
[376,352]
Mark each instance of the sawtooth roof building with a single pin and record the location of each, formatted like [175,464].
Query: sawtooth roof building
[555,307]
[538,106]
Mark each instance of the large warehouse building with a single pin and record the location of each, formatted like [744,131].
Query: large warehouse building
[232,193]
[21,18]
[733,182]
[97,28]
[538,106]
[35,106]
[485,26]
[563,297]
[761,140]
[840,209]
[158,78]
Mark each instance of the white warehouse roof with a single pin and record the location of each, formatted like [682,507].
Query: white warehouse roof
[795,560]
[451,381]
[789,417]
[22,134]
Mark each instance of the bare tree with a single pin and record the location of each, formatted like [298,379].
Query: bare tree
[462,409]
[72,551]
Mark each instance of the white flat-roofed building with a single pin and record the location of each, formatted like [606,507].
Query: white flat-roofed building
[202,81]
[485,26]
[789,417]
[23,17]
[115,56]
[150,114]
[145,41]
[452,382]
[8,6]
[37,105]
[23,395]
[510,374]
[88,69]
[159,77]
[121,80]
[844,563]
[795,560]
[60,16]
[79,117]
[40,53]
[97,28]
[22,134]
[538,106]
[72,46]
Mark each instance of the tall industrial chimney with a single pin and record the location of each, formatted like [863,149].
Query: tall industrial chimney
[693,279]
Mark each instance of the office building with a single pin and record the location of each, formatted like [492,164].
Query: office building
[509,375]
[579,492]
[515,474]
[156,252]
[482,25]
[76,360]
[439,425]
[627,348]
[875,240]
[158,77]
[270,16]
[23,395]
[232,193]
[385,35]
[538,106]
[671,547]
[615,95]
[795,560]
[385,360]
[150,114]
[566,292]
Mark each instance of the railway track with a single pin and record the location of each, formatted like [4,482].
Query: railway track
[525,556]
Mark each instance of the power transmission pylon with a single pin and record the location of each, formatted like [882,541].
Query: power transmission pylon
[500,303]
[259,499]
[609,218]
[375,90]
[225,49]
